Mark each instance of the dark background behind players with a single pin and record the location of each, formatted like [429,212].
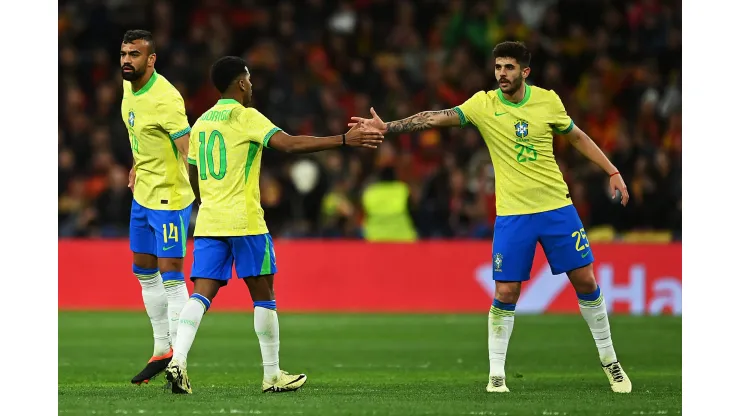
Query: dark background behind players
[315,63]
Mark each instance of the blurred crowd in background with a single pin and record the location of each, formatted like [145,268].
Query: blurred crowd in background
[315,63]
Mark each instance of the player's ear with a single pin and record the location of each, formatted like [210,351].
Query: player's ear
[242,85]
[525,72]
[152,59]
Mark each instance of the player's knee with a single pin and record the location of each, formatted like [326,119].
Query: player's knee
[145,261]
[583,280]
[170,265]
[508,292]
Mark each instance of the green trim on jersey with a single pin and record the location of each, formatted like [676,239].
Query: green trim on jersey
[527,94]
[175,136]
[269,135]
[192,162]
[225,101]
[463,121]
[146,86]
[253,148]
[567,130]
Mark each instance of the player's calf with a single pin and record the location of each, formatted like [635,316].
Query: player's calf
[594,312]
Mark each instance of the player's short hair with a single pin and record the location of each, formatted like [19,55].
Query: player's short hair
[515,50]
[138,34]
[225,70]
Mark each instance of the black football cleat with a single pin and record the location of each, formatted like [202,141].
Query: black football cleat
[154,367]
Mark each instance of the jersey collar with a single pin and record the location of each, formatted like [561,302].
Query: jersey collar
[148,84]
[527,93]
[225,101]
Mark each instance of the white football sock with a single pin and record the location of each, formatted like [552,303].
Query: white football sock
[155,302]
[268,332]
[190,317]
[594,312]
[177,296]
[500,326]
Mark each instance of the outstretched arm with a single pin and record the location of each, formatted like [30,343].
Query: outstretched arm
[424,120]
[358,136]
[588,148]
[421,121]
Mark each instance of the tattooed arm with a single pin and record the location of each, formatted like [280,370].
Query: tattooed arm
[421,121]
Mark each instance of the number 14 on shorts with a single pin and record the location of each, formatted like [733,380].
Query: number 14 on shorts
[172,235]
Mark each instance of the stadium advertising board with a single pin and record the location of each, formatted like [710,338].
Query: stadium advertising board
[355,276]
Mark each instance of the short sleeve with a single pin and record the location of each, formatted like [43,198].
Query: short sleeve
[193,150]
[562,124]
[172,116]
[467,111]
[258,127]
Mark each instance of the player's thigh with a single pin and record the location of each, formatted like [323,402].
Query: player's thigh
[564,240]
[171,231]
[212,260]
[142,239]
[254,256]
[514,243]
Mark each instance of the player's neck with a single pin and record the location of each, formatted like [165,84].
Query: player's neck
[231,96]
[517,96]
[138,84]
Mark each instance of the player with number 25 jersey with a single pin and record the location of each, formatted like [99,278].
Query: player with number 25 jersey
[518,122]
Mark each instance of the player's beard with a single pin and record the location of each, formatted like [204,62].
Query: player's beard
[133,75]
[513,86]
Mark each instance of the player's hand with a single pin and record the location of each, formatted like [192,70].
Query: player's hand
[616,183]
[131,179]
[363,135]
[374,122]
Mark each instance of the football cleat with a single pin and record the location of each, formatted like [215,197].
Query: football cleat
[497,384]
[154,367]
[177,375]
[284,382]
[618,379]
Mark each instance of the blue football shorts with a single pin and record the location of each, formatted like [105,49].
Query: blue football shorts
[161,233]
[559,231]
[251,255]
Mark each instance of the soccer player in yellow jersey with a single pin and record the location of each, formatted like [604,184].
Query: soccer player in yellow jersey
[154,114]
[517,122]
[225,152]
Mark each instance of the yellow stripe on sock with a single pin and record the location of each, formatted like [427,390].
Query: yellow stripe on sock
[592,303]
[146,276]
[500,312]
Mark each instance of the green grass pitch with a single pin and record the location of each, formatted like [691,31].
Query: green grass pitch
[372,365]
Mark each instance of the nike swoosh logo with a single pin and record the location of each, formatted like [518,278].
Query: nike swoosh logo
[501,114]
[167,248]
[583,256]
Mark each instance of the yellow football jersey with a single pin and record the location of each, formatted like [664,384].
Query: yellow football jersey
[154,117]
[226,145]
[519,139]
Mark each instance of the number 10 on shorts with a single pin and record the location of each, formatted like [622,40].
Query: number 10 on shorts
[172,235]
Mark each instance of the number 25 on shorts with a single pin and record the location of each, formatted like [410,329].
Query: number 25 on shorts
[172,235]
[580,234]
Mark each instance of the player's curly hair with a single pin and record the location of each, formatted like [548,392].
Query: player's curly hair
[516,50]
[225,70]
[139,34]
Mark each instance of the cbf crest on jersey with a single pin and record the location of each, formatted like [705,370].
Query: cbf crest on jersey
[131,118]
[521,128]
[498,261]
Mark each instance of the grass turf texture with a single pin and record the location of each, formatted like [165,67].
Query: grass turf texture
[372,365]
